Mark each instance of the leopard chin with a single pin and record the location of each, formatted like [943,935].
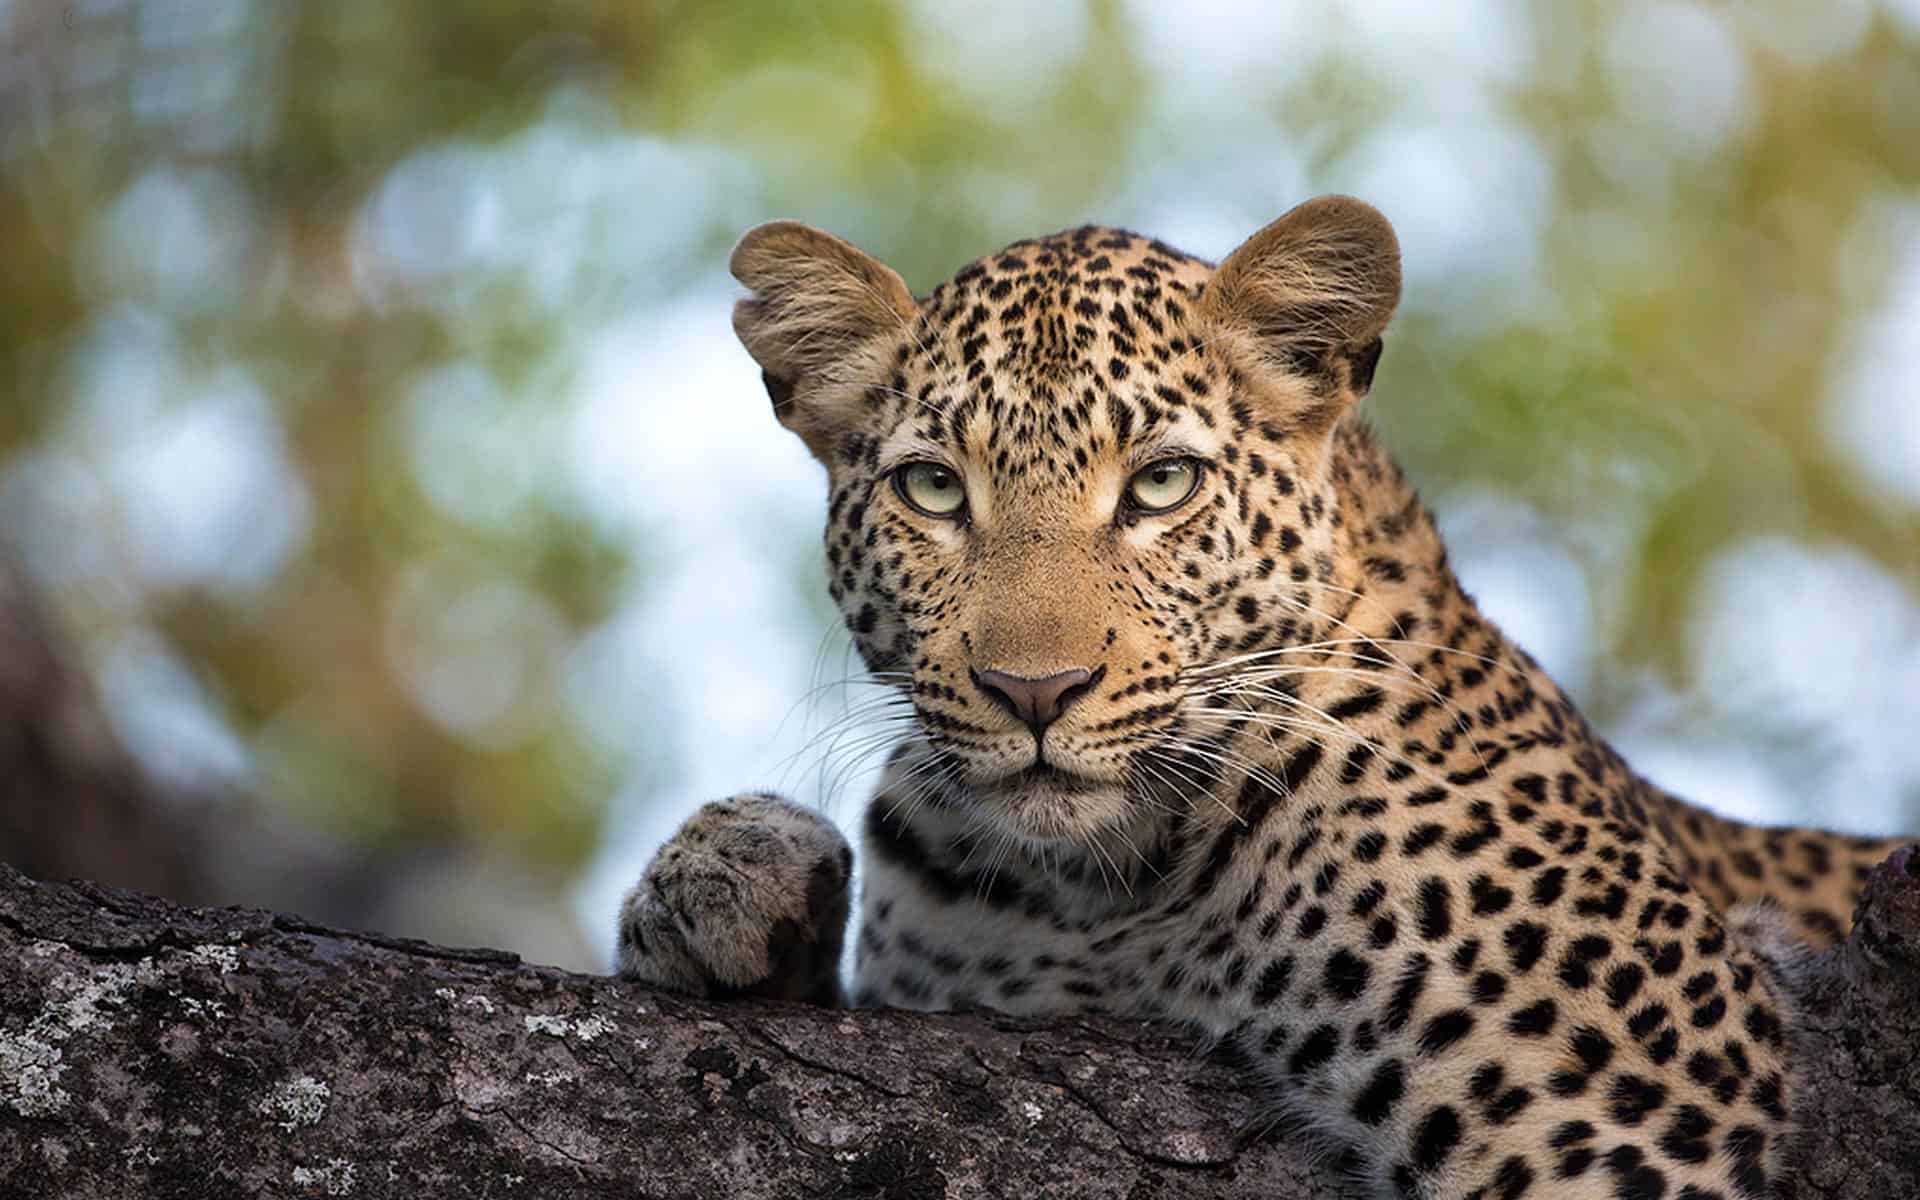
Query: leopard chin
[1048,805]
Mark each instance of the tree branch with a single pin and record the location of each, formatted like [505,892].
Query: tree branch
[156,1051]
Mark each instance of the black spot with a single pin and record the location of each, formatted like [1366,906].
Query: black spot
[1623,983]
[1365,1041]
[1422,838]
[1703,1068]
[1632,1097]
[1707,1015]
[1346,975]
[1633,1178]
[1662,1049]
[1510,1104]
[1664,958]
[1438,1133]
[1316,1051]
[1648,1019]
[1436,918]
[1312,922]
[1535,1020]
[1592,1048]
[1299,768]
[1467,843]
[1406,992]
[1575,969]
[1574,1163]
[1368,898]
[1375,1102]
[1273,980]
[1445,1029]
[1610,905]
[1357,758]
[1489,897]
[1548,886]
[1763,1025]
[1526,942]
[1486,1080]
[1521,858]
[1512,1179]
[1358,705]
[1685,1139]
[1748,1145]
[1465,955]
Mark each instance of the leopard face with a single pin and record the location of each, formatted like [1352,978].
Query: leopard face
[1074,484]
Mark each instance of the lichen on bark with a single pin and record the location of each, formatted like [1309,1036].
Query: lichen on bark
[156,1051]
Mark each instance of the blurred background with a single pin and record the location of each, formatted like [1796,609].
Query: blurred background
[394,532]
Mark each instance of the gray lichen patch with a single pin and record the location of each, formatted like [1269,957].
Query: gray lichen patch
[297,1102]
[30,1071]
[473,1000]
[585,1028]
[334,1179]
[31,1060]
[225,959]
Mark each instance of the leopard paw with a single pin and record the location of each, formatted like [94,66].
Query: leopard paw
[749,897]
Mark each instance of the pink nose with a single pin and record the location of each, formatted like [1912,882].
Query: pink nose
[1038,702]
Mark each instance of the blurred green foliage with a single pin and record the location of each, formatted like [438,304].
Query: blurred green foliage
[1659,372]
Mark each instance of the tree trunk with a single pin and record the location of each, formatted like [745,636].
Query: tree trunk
[156,1051]
[72,800]
[76,802]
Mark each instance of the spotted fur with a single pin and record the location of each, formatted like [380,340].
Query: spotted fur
[1301,794]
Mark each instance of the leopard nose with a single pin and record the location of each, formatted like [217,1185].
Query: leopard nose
[1038,702]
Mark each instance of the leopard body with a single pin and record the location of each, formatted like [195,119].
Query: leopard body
[1288,786]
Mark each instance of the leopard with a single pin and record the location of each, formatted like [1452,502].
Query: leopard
[1196,724]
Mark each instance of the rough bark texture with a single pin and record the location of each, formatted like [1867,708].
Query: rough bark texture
[156,1051]
[1858,1043]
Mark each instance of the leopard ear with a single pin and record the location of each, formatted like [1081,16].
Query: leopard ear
[1311,293]
[818,305]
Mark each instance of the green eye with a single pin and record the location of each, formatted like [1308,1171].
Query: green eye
[933,489]
[1166,484]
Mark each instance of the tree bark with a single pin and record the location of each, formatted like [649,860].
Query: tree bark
[156,1051]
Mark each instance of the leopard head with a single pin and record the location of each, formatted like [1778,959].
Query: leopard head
[1075,484]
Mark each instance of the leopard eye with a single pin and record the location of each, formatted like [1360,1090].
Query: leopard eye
[933,489]
[1167,484]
